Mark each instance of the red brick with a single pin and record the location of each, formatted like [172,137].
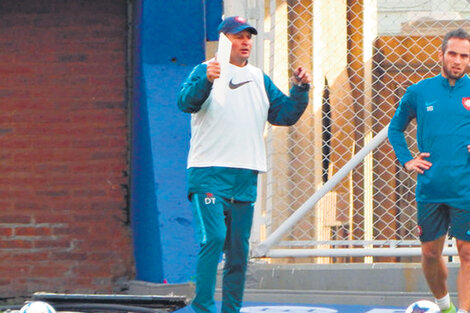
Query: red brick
[26,256]
[5,231]
[51,243]
[8,270]
[48,271]
[9,218]
[15,244]
[32,231]
[64,128]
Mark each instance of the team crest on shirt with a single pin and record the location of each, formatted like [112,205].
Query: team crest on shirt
[466,103]
[420,230]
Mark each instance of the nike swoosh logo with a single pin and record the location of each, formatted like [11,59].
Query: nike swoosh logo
[235,86]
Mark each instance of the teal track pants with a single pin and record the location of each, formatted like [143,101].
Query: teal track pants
[221,226]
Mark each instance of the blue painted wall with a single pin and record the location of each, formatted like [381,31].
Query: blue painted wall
[173,32]
[144,216]
[213,10]
[169,41]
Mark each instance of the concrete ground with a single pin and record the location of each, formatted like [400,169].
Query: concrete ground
[383,284]
[323,288]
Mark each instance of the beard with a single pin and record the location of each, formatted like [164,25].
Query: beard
[451,74]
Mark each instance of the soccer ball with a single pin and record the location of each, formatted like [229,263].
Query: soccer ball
[423,306]
[37,307]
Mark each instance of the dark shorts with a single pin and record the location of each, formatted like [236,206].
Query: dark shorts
[438,219]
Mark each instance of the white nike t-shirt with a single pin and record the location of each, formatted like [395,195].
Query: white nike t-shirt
[230,133]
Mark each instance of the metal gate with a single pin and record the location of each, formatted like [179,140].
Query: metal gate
[334,191]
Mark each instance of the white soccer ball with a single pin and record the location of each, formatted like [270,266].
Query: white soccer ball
[37,307]
[423,306]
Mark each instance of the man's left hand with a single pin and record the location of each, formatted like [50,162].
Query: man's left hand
[301,77]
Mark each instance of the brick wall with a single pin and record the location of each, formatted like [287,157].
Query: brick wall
[63,147]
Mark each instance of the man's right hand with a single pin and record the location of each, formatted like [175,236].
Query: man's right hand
[213,70]
[419,164]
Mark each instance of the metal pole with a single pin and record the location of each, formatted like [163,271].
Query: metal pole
[348,252]
[262,249]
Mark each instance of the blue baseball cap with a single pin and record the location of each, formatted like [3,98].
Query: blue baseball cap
[234,25]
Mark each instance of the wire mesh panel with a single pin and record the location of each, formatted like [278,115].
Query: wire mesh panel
[362,54]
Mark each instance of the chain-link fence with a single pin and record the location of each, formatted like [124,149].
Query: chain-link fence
[362,54]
